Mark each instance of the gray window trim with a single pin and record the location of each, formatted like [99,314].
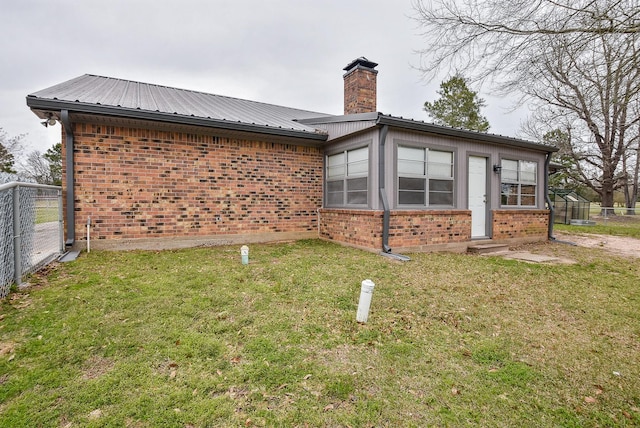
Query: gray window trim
[519,182]
[427,146]
[345,149]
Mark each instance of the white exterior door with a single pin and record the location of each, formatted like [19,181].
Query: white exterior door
[478,196]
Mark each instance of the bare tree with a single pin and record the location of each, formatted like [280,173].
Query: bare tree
[631,179]
[490,35]
[44,168]
[577,61]
[10,147]
[37,168]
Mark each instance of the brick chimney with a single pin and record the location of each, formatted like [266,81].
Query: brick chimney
[360,86]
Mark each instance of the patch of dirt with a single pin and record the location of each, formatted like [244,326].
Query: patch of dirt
[619,245]
[95,367]
[7,348]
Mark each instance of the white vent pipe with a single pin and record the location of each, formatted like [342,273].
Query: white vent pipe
[366,292]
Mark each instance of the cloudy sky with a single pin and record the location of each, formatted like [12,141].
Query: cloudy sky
[286,52]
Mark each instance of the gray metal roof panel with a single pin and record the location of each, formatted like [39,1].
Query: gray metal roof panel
[111,92]
[418,125]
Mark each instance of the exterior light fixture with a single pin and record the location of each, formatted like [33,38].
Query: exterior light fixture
[51,121]
[497,169]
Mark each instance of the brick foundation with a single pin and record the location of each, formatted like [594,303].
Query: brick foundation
[514,224]
[418,228]
[407,229]
[359,228]
[141,183]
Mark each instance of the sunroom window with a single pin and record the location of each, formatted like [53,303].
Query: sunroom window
[519,183]
[425,177]
[348,178]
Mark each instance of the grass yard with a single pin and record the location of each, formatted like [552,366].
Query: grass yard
[619,225]
[46,210]
[192,338]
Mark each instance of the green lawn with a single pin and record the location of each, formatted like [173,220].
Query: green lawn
[46,211]
[620,225]
[194,338]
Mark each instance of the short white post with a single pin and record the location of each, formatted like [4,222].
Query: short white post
[366,291]
[89,234]
[244,253]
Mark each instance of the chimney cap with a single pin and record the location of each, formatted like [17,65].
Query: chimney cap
[362,62]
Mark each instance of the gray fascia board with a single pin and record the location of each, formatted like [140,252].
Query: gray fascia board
[57,105]
[462,133]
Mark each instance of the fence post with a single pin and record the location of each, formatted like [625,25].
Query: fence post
[60,222]
[17,240]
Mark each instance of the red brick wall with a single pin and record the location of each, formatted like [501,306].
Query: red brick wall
[141,183]
[360,228]
[510,224]
[418,227]
[421,229]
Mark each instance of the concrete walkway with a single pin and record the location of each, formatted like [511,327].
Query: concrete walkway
[535,258]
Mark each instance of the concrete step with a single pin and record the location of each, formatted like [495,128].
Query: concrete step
[488,248]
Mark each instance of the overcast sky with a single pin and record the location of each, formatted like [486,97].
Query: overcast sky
[286,52]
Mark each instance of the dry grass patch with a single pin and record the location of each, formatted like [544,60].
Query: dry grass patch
[96,366]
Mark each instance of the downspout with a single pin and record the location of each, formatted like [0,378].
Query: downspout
[550,204]
[383,193]
[71,218]
[386,249]
[547,161]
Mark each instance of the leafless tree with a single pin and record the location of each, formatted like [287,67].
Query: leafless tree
[37,168]
[10,149]
[631,179]
[576,61]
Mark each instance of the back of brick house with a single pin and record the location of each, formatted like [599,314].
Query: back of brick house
[162,167]
[137,183]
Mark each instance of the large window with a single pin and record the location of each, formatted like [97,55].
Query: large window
[519,183]
[348,177]
[425,177]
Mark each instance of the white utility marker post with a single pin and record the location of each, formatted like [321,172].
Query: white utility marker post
[366,292]
[244,253]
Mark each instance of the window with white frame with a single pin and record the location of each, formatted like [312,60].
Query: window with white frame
[348,178]
[519,183]
[425,176]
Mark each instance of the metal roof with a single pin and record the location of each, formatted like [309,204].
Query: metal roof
[377,118]
[118,97]
[124,98]
[417,125]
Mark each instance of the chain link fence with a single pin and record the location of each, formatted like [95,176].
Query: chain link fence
[31,230]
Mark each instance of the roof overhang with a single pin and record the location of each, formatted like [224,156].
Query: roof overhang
[42,107]
[413,125]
